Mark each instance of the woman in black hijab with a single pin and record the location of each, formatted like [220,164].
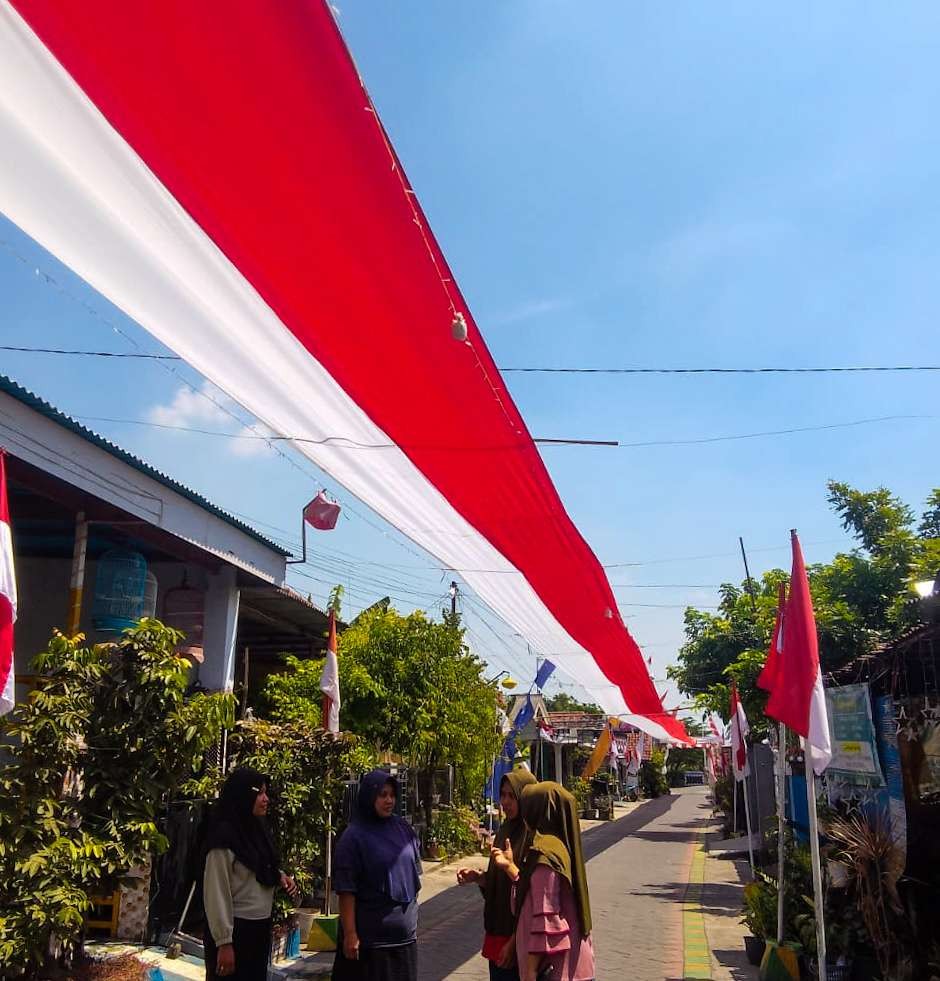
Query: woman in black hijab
[241,874]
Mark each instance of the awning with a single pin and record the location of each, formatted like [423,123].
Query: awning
[218,171]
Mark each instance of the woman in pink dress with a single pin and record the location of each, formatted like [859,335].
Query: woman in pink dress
[553,909]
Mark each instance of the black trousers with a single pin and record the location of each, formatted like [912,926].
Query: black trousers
[378,964]
[252,942]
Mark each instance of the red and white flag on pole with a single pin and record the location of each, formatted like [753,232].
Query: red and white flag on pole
[7,596]
[766,678]
[797,697]
[739,731]
[329,681]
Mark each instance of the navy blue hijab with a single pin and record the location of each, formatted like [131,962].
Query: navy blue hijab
[380,852]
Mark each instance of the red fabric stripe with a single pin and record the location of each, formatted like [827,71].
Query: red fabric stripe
[252,115]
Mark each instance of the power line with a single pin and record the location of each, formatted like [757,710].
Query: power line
[766,370]
[270,439]
[827,369]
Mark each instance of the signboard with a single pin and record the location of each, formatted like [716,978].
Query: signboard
[854,746]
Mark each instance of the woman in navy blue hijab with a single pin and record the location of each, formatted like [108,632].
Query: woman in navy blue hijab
[377,874]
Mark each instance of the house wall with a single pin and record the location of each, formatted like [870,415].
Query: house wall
[43,601]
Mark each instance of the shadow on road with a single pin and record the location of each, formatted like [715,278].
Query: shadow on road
[450,926]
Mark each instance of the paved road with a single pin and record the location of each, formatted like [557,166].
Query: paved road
[638,868]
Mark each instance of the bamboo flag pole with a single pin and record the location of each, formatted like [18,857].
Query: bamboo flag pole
[817,867]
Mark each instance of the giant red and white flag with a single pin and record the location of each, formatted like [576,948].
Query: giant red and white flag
[329,681]
[7,596]
[247,208]
[739,733]
[797,697]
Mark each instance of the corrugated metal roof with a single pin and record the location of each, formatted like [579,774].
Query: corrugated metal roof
[21,394]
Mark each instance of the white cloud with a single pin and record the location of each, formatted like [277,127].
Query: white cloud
[211,409]
[193,409]
[529,310]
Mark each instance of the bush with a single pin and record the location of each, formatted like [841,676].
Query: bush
[107,737]
[581,791]
[453,832]
[305,765]
[760,906]
[652,777]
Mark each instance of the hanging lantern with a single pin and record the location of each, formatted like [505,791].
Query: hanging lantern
[184,609]
[120,590]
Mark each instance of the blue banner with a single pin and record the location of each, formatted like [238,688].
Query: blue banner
[544,673]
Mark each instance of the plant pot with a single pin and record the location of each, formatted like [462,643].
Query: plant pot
[754,948]
[322,932]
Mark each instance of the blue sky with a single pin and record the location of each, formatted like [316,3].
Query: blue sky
[618,184]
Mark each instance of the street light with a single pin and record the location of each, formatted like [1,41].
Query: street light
[509,682]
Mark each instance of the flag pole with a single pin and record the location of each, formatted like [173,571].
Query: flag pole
[734,806]
[327,899]
[818,900]
[747,822]
[781,823]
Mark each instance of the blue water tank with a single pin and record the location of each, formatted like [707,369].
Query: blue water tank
[120,590]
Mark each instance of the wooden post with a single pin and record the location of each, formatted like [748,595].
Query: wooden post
[77,583]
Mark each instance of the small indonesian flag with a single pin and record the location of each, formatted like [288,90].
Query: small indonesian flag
[7,596]
[797,697]
[739,732]
[329,681]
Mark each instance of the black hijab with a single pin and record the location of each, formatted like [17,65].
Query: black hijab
[232,825]
[498,918]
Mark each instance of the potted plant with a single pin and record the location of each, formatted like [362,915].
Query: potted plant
[760,915]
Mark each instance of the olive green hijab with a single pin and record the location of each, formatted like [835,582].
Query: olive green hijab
[551,814]
[497,889]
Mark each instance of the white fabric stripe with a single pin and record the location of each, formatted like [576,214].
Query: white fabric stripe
[818,744]
[72,183]
[651,728]
[7,571]
[8,589]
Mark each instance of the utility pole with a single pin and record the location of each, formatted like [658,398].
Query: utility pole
[453,597]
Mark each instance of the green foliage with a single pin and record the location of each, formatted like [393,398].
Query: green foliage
[106,738]
[411,686]
[760,906]
[303,764]
[453,831]
[563,702]
[581,791]
[652,776]
[681,761]
[861,599]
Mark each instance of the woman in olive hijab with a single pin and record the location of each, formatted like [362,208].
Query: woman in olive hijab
[553,908]
[498,920]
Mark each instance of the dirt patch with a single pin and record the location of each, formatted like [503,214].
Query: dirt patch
[125,967]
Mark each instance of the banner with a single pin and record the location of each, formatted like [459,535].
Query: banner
[854,745]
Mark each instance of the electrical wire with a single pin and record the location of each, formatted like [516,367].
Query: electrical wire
[528,369]
[545,441]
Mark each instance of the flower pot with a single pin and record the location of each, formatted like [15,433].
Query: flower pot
[754,948]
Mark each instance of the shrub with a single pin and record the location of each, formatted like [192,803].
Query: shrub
[653,781]
[107,737]
[453,831]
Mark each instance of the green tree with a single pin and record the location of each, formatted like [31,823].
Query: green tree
[861,598]
[563,702]
[108,736]
[426,699]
